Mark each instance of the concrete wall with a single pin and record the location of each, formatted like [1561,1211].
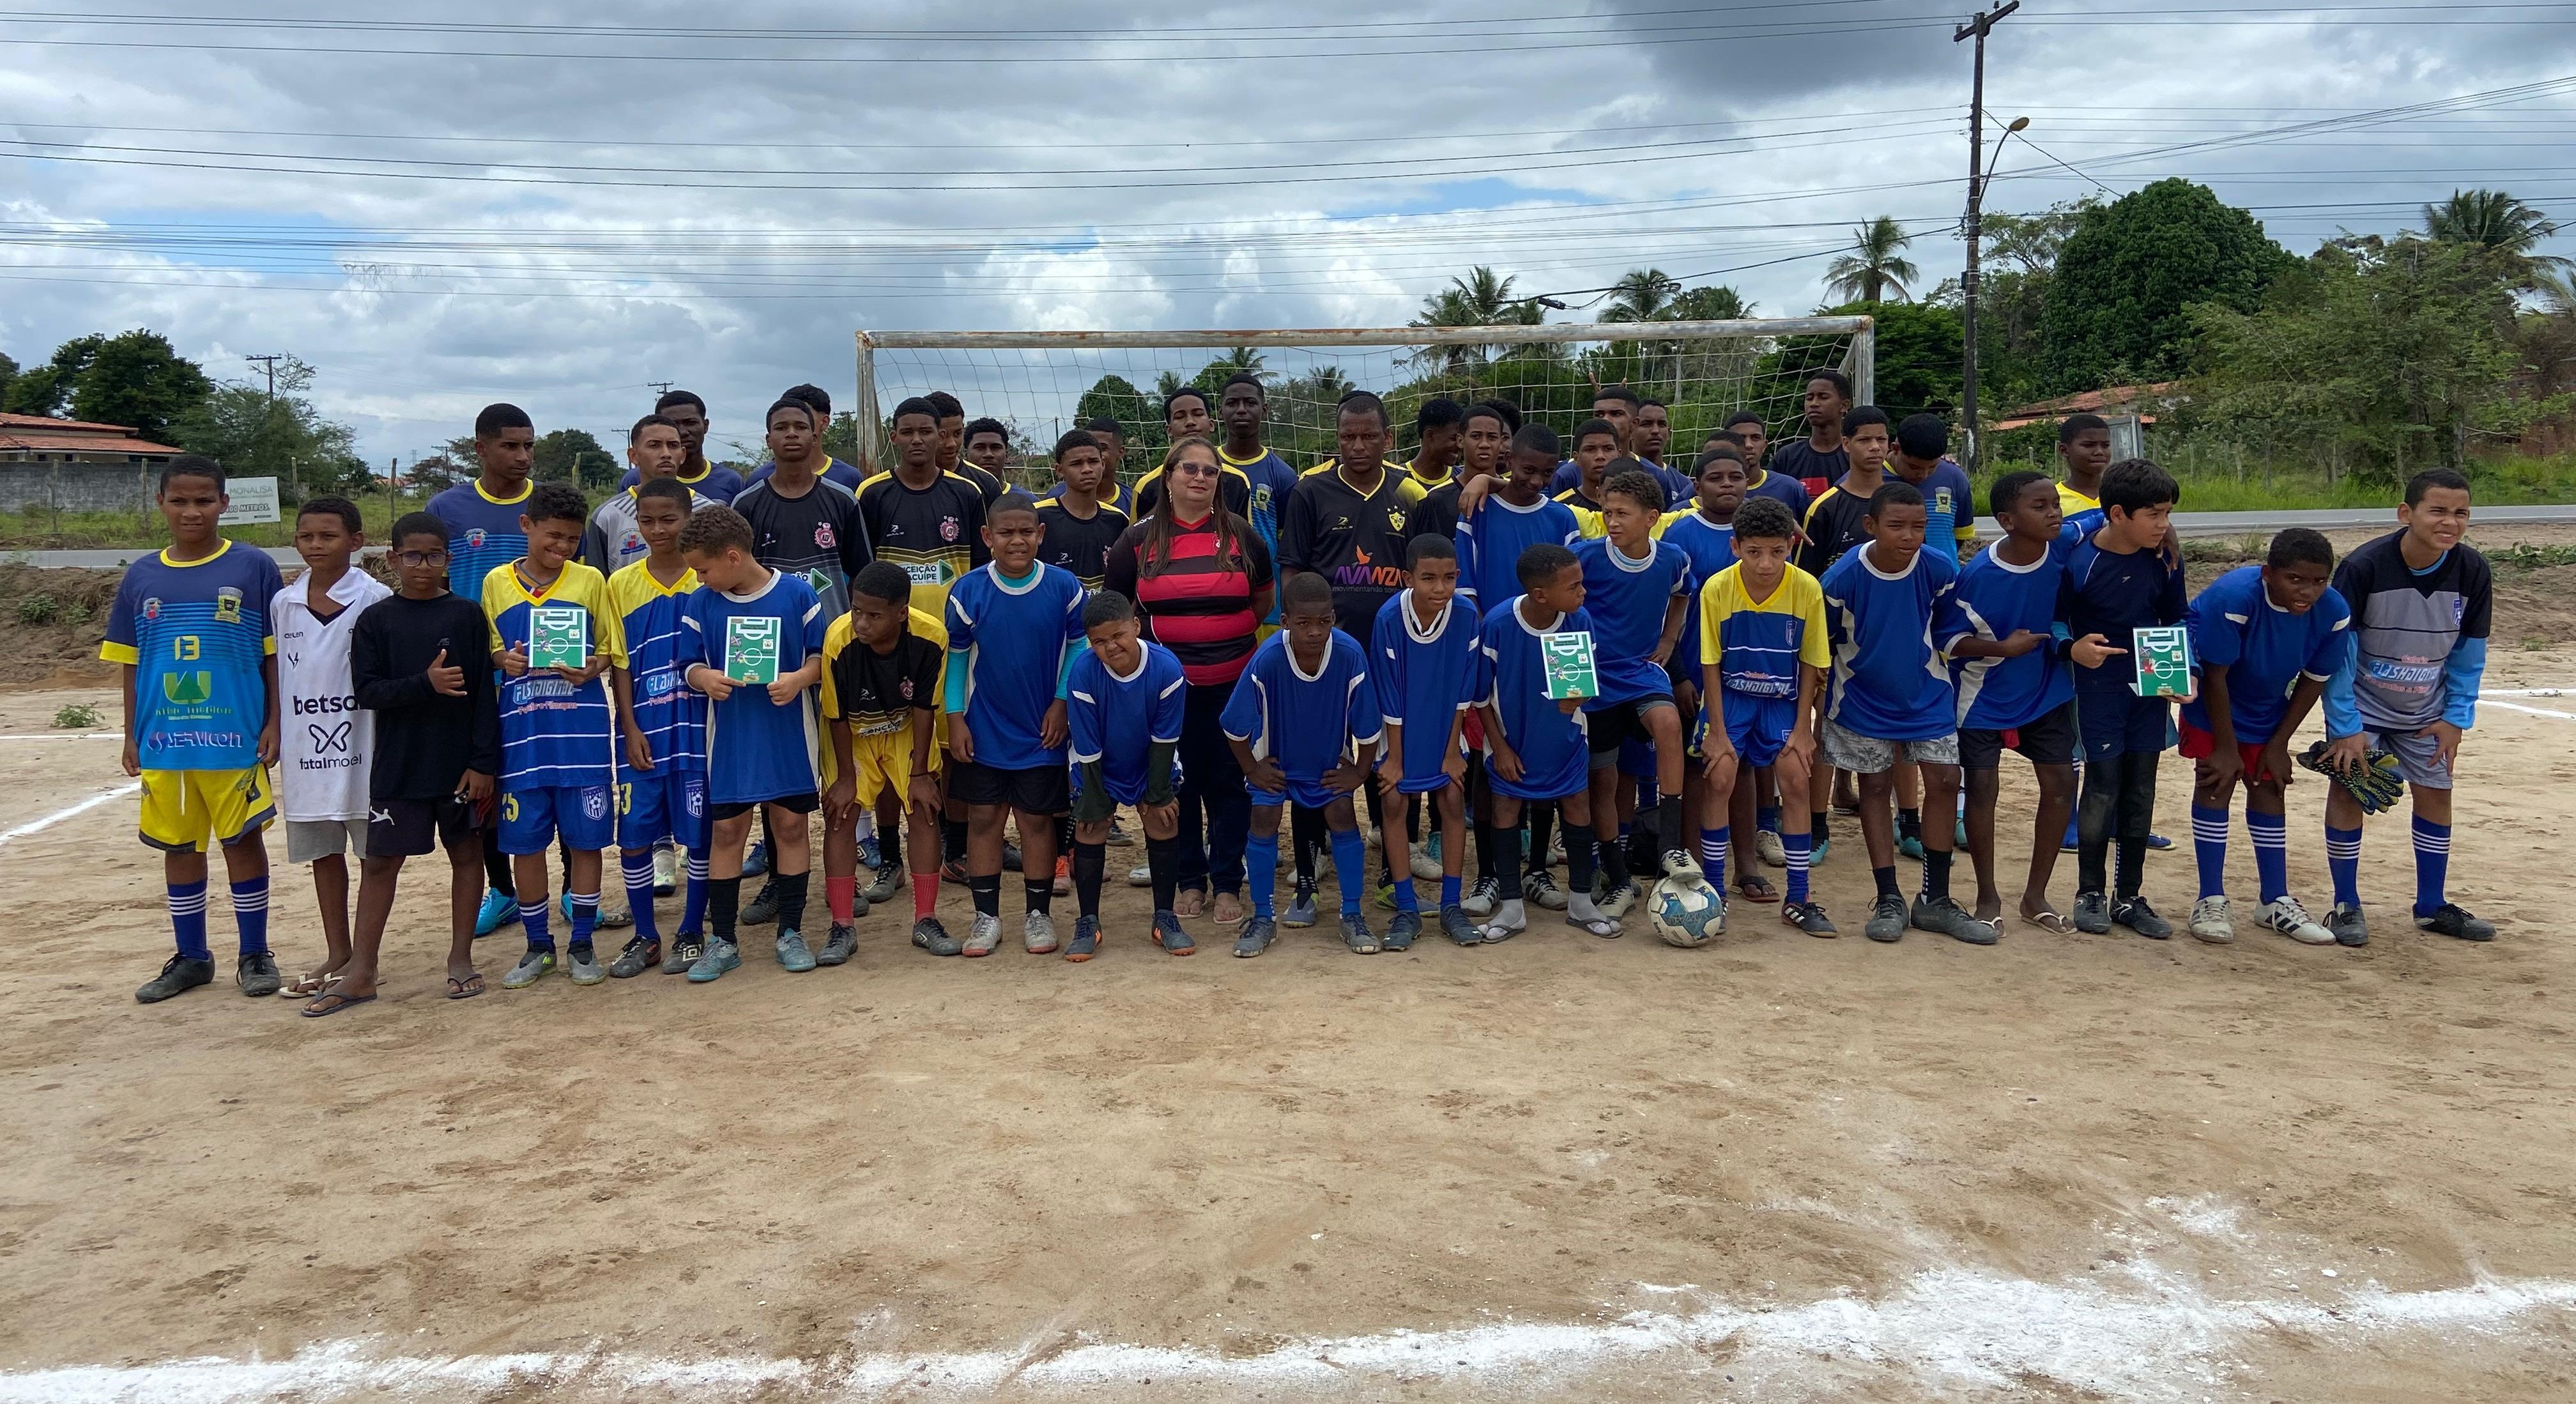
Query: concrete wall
[76,487]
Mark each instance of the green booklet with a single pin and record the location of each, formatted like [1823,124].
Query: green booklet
[2163,659]
[558,637]
[1569,665]
[751,649]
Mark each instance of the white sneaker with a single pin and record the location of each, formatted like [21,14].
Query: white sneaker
[1482,898]
[666,872]
[1766,846]
[1142,875]
[1540,887]
[1426,860]
[2292,920]
[1616,905]
[1037,933]
[2212,922]
[1678,864]
[984,936]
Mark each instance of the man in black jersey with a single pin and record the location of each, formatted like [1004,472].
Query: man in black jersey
[802,523]
[1080,524]
[952,446]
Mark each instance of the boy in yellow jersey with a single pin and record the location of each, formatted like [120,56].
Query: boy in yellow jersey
[883,666]
[1763,654]
[2083,450]
[662,775]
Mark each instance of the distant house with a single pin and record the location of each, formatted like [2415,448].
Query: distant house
[2110,401]
[30,438]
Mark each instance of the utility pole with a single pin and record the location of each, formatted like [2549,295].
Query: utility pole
[268,419]
[1977,29]
[660,387]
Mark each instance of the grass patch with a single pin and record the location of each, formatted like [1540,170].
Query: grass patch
[79,716]
[2519,560]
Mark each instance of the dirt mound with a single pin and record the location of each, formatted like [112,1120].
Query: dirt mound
[51,622]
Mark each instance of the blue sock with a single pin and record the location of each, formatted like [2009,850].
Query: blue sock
[1449,892]
[533,916]
[585,918]
[638,868]
[2432,866]
[2271,852]
[1405,898]
[188,918]
[1350,868]
[250,914]
[1795,848]
[2209,847]
[1712,854]
[1766,817]
[693,904]
[1261,872]
[2343,859]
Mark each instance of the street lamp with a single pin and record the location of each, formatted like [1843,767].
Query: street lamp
[1976,222]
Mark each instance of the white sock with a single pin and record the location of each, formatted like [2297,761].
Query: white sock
[1579,906]
[1511,914]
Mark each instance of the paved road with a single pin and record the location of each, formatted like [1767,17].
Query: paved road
[118,560]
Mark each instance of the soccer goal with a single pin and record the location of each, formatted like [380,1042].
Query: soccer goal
[1043,383]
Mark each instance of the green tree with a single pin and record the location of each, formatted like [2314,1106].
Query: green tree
[1116,397]
[8,374]
[572,455]
[1715,302]
[1875,265]
[2117,306]
[2489,218]
[1919,364]
[1641,295]
[239,426]
[133,378]
[1483,298]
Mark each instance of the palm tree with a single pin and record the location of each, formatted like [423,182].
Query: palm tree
[1242,358]
[1713,303]
[1641,295]
[1876,264]
[1483,298]
[2491,218]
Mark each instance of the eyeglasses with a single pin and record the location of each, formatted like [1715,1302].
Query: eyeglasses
[1194,470]
[420,558]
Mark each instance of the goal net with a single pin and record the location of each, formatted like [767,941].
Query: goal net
[1041,384]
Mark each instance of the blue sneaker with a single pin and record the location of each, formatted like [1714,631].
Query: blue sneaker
[871,856]
[756,862]
[793,955]
[2158,842]
[1301,912]
[499,910]
[1816,854]
[1909,846]
[720,957]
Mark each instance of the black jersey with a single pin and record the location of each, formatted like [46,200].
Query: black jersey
[877,693]
[1354,540]
[1078,544]
[935,533]
[1836,522]
[818,537]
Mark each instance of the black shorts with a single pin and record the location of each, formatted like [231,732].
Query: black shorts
[1613,726]
[408,828]
[805,803]
[1043,789]
[2048,739]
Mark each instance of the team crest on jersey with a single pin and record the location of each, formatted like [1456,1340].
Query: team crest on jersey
[1261,498]
[905,688]
[594,803]
[634,543]
[1395,519]
[228,605]
[696,800]
[474,537]
[152,608]
[1941,498]
[948,528]
[823,535]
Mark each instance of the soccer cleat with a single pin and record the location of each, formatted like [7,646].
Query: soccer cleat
[794,956]
[1483,897]
[499,909]
[1037,933]
[983,937]
[2135,914]
[719,957]
[1063,876]
[255,973]
[2211,921]
[1169,935]
[686,948]
[1119,837]
[2092,913]
[756,862]
[882,888]
[610,918]
[839,944]
[1256,936]
[1616,904]
[928,934]
[1679,864]
[1301,911]
[871,855]
[1086,940]
[1458,926]
[1945,916]
[1910,846]
[531,968]
[1766,846]
[1357,936]
[763,907]
[639,956]
[666,873]
[953,872]
[1426,859]
[1887,919]
[1816,852]
[2347,925]
[1540,887]
[1808,917]
[2292,920]
[2452,919]
[2158,842]
[179,974]
[1142,875]
[1401,931]
[582,963]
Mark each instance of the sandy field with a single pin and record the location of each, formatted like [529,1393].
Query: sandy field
[1774,1169]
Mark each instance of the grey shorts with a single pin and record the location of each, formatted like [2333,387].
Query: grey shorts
[2418,756]
[1846,749]
[311,839]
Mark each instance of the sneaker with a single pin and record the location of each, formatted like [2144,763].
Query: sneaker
[639,956]
[1037,933]
[686,948]
[1169,935]
[1910,846]
[499,909]
[1301,912]
[1426,859]
[1458,926]
[756,862]
[2292,920]
[1887,919]
[983,937]
[2092,914]
[839,944]
[871,856]
[179,974]
[609,918]
[762,909]
[1401,931]
[2211,921]
[1257,934]
[255,973]
[1766,846]
[953,872]
[1555,849]
[1677,863]
[1357,936]
[1063,876]
[794,956]
[1481,899]
[2452,919]
[2348,927]
[719,957]
[1946,916]
[1119,837]
[1011,857]
[1086,940]
[2158,842]
[1540,888]
[928,934]
[882,888]
[1385,896]
[1809,917]
[1817,852]
[2135,914]
[666,872]
[582,963]
[531,968]
[1142,875]
[1616,904]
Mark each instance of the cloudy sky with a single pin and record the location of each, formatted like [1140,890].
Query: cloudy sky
[560,204]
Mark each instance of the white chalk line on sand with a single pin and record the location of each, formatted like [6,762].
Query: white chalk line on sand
[67,736]
[2136,1333]
[33,826]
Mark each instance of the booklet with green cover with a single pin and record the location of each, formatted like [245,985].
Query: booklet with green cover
[2163,659]
[751,649]
[558,637]
[1569,665]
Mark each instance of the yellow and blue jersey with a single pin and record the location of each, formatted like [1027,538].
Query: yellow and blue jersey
[196,634]
[672,718]
[1758,645]
[483,532]
[554,735]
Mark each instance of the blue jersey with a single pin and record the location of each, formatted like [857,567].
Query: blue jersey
[1305,722]
[757,750]
[1949,508]
[1711,549]
[2110,593]
[1014,640]
[719,482]
[1997,597]
[197,634]
[554,735]
[1555,757]
[1780,488]
[1424,679]
[672,718]
[2266,649]
[1889,635]
[833,471]
[1267,480]
[1114,720]
[483,533]
[1626,597]
[1491,539]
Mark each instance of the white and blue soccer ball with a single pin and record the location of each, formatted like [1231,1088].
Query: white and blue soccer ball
[1686,911]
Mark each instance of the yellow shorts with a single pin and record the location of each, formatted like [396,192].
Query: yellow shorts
[884,766]
[192,810]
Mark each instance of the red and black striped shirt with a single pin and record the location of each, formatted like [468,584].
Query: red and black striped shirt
[1194,604]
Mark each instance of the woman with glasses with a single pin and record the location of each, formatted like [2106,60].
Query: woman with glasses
[1200,580]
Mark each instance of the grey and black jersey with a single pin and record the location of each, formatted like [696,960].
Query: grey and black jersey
[2405,626]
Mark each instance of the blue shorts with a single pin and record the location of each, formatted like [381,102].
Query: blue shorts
[1306,794]
[583,815]
[2119,722]
[663,804]
[1757,727]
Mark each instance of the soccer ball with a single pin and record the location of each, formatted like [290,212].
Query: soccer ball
[1686,911]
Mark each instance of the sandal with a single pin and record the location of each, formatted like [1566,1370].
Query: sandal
[1494,933]
[2048,920]
[310,986]
[1753,887]
[466,988]
[319,1009]
[1189,902]
[1603,927]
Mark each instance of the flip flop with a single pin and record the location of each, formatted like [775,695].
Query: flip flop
[2048,920]
[317,1010]
[466,988]
[1494,933]
[310,986]
[1603,927]
[1753,887]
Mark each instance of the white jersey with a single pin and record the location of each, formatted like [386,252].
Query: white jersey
[325,743]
